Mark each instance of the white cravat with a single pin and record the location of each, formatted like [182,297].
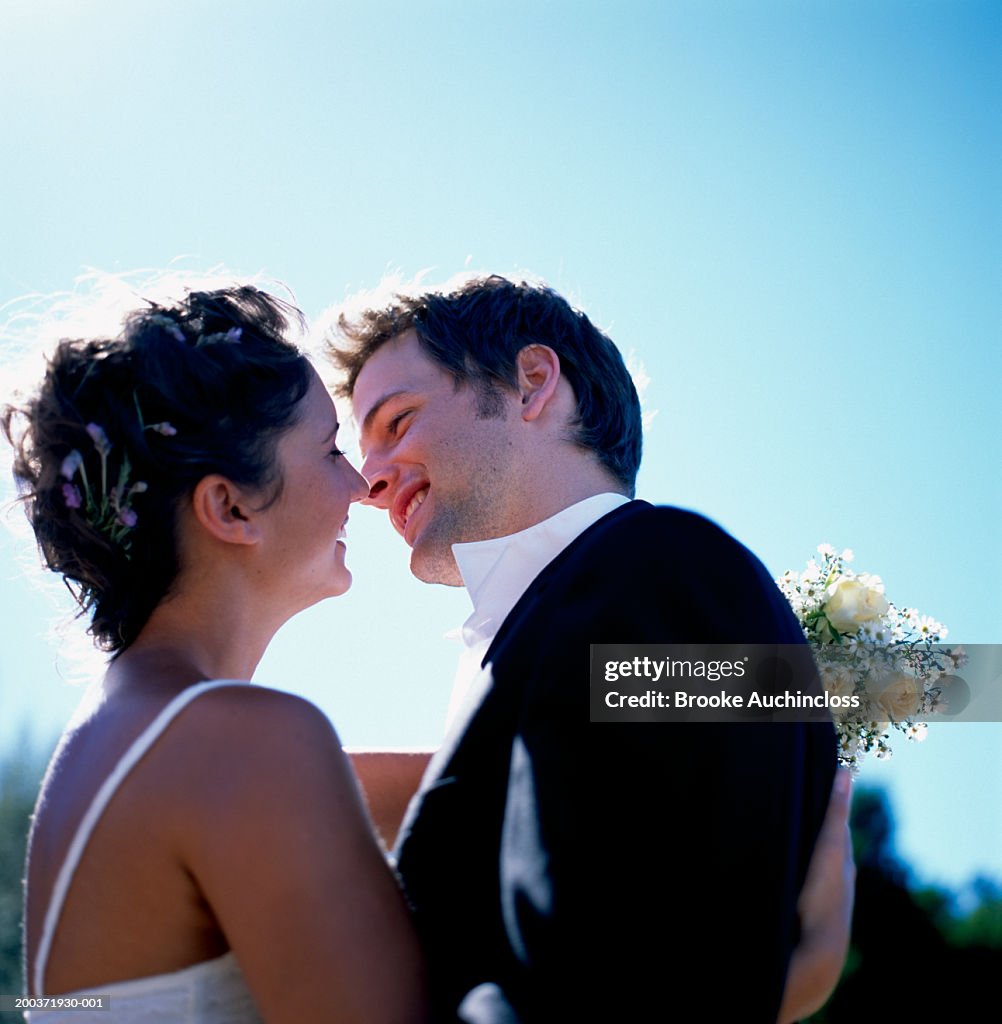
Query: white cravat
[498,572]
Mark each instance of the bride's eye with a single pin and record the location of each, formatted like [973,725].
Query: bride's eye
[336,453]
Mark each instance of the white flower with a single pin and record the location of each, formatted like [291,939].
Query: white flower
[898,696]
[838,682]
[917,732]
[877,631]
[928,627]
[852,602]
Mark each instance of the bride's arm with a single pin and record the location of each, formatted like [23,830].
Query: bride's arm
[825,908]
[283,852]
[389,778]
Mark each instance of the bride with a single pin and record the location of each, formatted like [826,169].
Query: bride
[200,851]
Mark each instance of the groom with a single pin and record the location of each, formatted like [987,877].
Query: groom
[561,870]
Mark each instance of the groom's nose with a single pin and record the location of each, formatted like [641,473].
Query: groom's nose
[379,475]
[378,495]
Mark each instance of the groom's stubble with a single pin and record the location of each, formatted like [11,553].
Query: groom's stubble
[471,490]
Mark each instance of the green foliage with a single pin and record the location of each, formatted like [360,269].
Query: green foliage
[980,925]
[918,953]
[21,771]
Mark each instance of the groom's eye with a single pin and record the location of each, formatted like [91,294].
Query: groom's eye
[394,425]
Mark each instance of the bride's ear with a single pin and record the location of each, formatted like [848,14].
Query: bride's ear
[224,511]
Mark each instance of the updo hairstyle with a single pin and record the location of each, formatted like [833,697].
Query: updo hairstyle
[122,429]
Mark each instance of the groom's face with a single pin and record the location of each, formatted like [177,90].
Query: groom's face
[443,473]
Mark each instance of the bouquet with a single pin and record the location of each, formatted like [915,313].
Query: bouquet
[884,664]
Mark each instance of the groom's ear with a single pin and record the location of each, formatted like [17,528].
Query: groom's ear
[538,375]
[224,511]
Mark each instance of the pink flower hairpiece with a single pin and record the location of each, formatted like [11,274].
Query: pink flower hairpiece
[165,429]
[167,324]
[108,509]
[170,326]
[230,336]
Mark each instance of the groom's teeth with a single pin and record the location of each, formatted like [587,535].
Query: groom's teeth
[415,502]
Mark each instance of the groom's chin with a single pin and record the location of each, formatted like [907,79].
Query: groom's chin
[431,566]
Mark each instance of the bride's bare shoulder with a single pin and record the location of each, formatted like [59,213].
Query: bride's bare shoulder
[243,708]
[248,731]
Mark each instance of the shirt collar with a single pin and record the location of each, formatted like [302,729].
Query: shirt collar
[497,572]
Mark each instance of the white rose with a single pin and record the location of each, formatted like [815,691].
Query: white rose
[851,602]
[839,683]
[897,697]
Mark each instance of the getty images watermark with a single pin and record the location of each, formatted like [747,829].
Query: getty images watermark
[794,682]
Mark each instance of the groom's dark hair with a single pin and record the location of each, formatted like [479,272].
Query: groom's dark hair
[476,331]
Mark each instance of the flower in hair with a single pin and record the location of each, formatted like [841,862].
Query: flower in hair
[107,510]
[164,428]
[100,439]
[230,336]
[71,464]
[166,324]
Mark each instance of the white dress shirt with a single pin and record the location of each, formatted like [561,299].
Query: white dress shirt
[497,572]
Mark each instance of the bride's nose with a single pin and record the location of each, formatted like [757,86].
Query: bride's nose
[359,485]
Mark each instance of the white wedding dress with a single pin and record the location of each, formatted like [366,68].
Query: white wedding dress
[213,992]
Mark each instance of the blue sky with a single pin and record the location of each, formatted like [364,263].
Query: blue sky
[790,212]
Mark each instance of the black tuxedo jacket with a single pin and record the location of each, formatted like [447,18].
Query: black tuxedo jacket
[563,870]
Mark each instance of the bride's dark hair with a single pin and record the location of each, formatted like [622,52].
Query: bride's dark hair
[122,429]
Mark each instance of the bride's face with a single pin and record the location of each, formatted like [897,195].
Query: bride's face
[304,530]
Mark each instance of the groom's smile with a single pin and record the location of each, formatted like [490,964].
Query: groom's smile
[408,498]
[407,502]
[441,470]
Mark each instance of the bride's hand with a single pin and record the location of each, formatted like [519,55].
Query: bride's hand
[825,909]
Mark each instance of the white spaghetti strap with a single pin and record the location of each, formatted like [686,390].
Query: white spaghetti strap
[139,747]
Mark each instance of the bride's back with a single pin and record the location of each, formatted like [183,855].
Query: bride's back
[128,874]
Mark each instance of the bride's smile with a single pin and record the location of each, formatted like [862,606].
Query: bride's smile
[304,528]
